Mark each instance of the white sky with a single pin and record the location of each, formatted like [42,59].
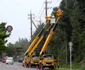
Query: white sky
[15,13]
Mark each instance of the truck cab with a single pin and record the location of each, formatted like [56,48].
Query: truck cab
[48,61]
[35,60]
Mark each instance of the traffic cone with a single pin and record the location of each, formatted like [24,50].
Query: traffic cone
[24,65]
[29,65]
[40,68]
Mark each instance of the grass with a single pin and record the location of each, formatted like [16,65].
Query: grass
[63,69]
[74,67]
[81,68]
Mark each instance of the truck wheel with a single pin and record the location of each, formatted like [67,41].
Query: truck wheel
[40,67]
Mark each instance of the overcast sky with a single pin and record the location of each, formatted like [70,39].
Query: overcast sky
[15,13]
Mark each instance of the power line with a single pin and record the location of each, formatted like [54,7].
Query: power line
[41,13]
[55,3]
[40,17]
[42,8]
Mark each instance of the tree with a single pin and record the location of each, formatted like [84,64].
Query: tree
[72,25]
[11,50]
[3,36]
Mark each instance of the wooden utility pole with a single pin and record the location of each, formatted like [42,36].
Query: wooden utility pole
[31,22]
[46,7]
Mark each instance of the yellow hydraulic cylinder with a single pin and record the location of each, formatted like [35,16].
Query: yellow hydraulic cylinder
[31,46]
[49,38]
[46,42]
[32,51]
[38,42]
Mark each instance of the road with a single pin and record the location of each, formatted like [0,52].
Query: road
[15,66]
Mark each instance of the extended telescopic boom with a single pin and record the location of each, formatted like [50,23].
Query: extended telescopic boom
[59,14]
[38,38]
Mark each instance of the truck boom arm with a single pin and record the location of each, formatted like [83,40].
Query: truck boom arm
[48,38]
[41,38]
[59,15]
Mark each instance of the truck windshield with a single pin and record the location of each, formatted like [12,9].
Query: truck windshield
[48,57]
[35,57]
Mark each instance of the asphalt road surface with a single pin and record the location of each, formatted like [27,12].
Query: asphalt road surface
[15,66]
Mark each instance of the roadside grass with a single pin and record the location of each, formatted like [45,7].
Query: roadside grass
[74,67]
[82,68]
[63,69]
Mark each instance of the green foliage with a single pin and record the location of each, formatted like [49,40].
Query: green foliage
[10,50]
[71,28]
[3,36]
[18,48]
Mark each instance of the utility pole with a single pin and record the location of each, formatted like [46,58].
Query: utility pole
[31,21]
[46,7]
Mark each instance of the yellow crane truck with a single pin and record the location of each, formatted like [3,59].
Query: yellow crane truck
[48,60]
[30,57]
